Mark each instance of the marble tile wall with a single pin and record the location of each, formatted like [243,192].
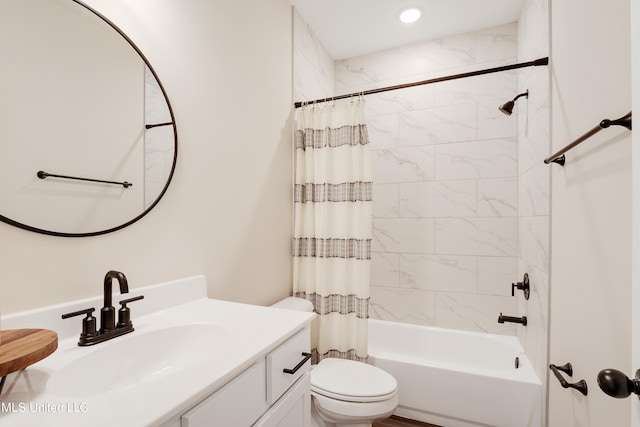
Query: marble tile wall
[313,67]
[461,200]
[534,144]
[445,164]
[446,171]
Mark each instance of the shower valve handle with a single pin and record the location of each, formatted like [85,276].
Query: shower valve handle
[522,286]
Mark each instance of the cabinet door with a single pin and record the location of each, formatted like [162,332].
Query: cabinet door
[293,409]
[287,356]
[237,404]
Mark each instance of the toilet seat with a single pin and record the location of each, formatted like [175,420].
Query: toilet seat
[351,381]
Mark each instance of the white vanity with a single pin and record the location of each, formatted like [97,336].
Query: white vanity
[191,362]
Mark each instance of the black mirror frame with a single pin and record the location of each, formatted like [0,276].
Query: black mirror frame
[175,153]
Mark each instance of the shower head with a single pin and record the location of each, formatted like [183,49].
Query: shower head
[507,107]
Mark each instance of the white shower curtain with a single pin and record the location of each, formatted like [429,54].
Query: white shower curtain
[332,236]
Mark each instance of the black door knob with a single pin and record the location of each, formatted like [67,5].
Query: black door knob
[618,385]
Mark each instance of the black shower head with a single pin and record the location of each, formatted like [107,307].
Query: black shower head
[507,107]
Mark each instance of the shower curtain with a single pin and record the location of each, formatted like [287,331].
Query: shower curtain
[332,226]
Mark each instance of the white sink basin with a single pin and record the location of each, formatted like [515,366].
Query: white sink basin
[138,359]
[185,347]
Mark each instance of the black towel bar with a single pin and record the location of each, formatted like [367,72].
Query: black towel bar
[581,385]
[43,175]
[157,125]
[559,158]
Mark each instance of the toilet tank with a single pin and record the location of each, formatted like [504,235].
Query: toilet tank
[294,303]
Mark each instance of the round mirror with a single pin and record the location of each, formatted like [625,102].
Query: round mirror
[88,140]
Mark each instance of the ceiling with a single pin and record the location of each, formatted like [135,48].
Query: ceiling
[349,28]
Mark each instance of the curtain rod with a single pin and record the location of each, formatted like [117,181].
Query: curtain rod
[535,63]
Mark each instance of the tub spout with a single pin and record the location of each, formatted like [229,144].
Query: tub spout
[522,320]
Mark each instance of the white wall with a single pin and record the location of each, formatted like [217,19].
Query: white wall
[590,309]
[635,251]
[226,66]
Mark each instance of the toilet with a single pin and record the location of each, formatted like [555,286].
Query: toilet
[346,392]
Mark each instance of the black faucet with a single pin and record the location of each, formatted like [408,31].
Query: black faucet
[522,320]
[108,327]
[108,313]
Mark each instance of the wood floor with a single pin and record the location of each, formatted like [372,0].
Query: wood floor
[394,421]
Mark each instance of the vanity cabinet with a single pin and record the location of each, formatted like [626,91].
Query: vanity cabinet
[263,395]
[293,409]
[192,361]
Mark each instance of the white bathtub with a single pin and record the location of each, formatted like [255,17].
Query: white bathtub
[455,378]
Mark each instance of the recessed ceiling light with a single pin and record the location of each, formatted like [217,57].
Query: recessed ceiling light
[410,15]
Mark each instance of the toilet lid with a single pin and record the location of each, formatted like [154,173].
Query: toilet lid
[352,381]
